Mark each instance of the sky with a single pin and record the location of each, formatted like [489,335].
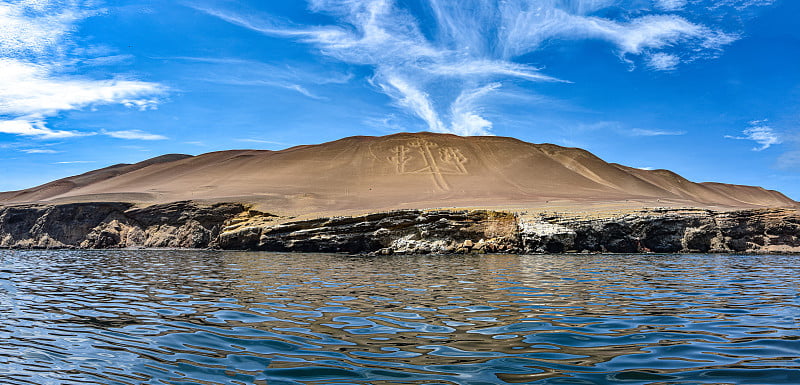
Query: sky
[709,89]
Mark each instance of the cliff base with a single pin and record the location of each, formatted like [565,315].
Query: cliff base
[233,226]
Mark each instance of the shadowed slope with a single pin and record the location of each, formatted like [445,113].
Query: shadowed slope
[398,171]
[65,185]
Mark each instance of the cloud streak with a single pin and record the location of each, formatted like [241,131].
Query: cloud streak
[28,89]
[134,135]
[32,126]
[35,83]
[646,132]
[238,72]
[442,74]
[76,162]
[761,133]
[39,151]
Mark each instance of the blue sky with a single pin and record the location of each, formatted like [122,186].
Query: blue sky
[707,88]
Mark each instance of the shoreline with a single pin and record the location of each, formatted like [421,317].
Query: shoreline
[374,255]
[234,226]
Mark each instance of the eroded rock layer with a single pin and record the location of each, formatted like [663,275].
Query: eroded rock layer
[236,227]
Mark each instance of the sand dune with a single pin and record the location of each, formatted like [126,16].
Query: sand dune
[418,170]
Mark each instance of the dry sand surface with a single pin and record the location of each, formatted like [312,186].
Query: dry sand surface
[419,170]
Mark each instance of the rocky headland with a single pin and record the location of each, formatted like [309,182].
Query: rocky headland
[233,226]
[376,194]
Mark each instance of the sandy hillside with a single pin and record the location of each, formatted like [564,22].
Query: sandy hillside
[419,170]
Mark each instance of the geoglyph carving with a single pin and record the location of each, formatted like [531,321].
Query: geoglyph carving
[420,156]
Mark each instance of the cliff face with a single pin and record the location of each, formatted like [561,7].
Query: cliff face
[113,225]
[403,231]
[665,231]
[234,227]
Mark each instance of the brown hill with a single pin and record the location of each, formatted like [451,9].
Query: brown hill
[420,170]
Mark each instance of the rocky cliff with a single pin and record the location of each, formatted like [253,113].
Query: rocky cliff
[235,227]
[113,225]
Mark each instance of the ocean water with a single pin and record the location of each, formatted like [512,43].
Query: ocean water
[192,317]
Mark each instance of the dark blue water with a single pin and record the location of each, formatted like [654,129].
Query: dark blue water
[178,317]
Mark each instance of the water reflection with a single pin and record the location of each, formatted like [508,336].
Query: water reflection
[177,317]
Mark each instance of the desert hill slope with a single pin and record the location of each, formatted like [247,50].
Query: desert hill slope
[65,185]
[419,170]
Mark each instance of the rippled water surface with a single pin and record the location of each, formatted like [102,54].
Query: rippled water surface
[178,317]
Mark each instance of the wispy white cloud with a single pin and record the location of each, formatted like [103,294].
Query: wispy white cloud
[249,72]
[234,71]
[621,129]
[35,83]
[475,44]
[134,135]
[39,151]
[602,125]
[407,95]
[670,5]
[469,69]
[761,133]
[646,132]
[389,122]
[266,25]
[741,4]
[35,27]
[28,89]
[387,37]
[108,60]
[466,114]
[76,162]
[141,104]
[640,35]
[663,61]
[33,126]
[303,91]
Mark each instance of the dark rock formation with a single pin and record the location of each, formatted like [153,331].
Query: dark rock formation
[235,227]
[404,231]
[665,231]
[113,225]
